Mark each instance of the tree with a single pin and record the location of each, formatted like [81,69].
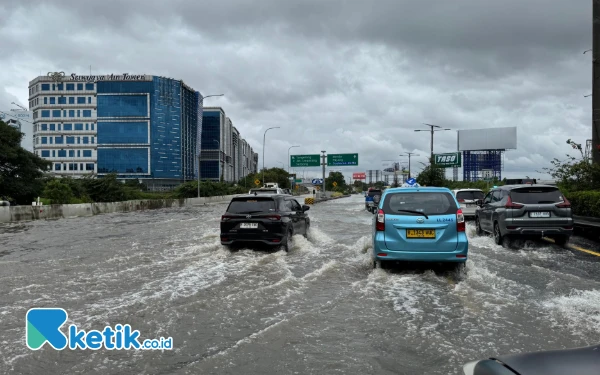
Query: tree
[432,176]
[573,173]
[21,171]
[58,191]
[337,177]
[278,175]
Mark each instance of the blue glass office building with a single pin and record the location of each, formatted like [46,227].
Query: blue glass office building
[141,127]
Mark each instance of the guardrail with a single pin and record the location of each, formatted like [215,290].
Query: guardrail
[586,221]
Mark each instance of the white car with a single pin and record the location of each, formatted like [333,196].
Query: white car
[467,199]
[267,191]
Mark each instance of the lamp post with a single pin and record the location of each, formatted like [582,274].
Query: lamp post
[198,139]
[409,155]
[431,126]
[264,138]
[288,160]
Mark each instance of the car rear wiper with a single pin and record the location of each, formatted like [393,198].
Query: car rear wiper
[414,212]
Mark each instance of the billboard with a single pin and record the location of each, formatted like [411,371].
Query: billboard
[487,139]
[22,120]
[359,176]
[390,168]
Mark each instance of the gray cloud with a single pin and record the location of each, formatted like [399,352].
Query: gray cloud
[343,76]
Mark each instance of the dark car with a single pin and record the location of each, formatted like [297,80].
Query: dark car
[263,219]
[513,211]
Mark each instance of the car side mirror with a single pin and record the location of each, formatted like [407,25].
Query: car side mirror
[479,202]
[305,208]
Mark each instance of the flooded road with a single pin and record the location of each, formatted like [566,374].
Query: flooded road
[319,309]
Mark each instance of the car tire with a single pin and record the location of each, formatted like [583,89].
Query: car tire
[287,246]
[562,241]
[498,239]
[478,230]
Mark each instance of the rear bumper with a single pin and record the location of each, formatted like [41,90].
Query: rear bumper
[271,239]
[510,227]
[459,255]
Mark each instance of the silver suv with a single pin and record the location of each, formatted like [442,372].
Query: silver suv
[467,199]
[536,211]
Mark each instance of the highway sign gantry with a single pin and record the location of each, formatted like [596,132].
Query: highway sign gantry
[313,160]
[342,159]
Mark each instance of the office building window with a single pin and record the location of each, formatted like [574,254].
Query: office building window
[58,140]
[45,100]
[56,113]
[89,100]
[85,140]
[71,153]
[92,126]
[51,139]
[78,153]
[72,166]
[89,166]
[45,87]
[87,126]
[46,113]
[52,127]
[89,86]
[53,153]
[67,126]
[122,106]
[70,86]
[62,153]
[81,166]
[71,113]
[92,139]
[87,153]
[44,140]
[78,126]
[64,113]
[71,100]
[123,160]
[78,140]
[62,100]
[122,132]
[45,127]
[81,100]
[45,153]
[57,167]
[78,113]
[80,86]
[70,140]
[52,100]
[87,113]
[59,87]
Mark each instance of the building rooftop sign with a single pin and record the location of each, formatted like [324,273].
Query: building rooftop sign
[109,77]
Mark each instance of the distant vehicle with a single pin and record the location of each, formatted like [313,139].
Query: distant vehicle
[419,224]
[577,361]
[370,197]
[264,219]
[467,199]
[521,181]
[517,211]
[262,191]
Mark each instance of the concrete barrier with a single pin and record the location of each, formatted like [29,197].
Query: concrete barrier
[58,211]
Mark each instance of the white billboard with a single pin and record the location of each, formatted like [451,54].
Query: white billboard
[487,139]
[22,120]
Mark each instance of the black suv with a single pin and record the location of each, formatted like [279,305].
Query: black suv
[263,219]
[525,211]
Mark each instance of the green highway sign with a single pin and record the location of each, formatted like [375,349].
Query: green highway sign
[305,160]
[342,159]
[452,159]
[298,180]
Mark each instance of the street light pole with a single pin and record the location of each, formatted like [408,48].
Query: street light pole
[432,131]
[289,158]
[409,155]
[264,138]
[198,138]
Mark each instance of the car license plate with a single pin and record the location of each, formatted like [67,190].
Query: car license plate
[539,214]
[420,233]
[249,225]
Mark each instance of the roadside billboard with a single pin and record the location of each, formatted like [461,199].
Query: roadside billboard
[359,176]
[487,139]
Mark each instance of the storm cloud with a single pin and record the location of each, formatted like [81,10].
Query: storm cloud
[341,76]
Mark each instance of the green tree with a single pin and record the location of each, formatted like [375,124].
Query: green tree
[21,171]
[432,176]
[575,173]
[105,189]
[59,192]
[338,178]
[278,175]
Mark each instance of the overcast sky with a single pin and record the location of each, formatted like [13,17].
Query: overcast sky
[341,76]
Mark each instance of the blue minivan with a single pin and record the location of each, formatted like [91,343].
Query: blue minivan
[421,224]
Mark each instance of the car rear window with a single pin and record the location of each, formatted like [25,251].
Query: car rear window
[536,195]
[249,205]
[264,191]
[469,195]
[373,193]
[430,203]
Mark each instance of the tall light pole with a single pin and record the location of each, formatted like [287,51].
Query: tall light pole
[324,157]
[432,130]
[289,158]
[199,140]
[20,106]
[264,138]
[409,155]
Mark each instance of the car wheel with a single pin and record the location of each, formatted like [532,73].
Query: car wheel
[287,246]
[562,241]
[478,230]
[497,234]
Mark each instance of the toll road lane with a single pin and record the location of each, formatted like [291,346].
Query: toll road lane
[319,308]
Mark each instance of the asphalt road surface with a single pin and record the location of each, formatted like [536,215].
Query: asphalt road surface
[320,309]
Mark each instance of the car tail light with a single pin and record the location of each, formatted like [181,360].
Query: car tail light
[461,256]
[460,221]
[273,217]
[380,224]
[226,217]
[564,204]
[510,204]
[276,240]
[461,201]
[224,239]
[569,228]
[382,255]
